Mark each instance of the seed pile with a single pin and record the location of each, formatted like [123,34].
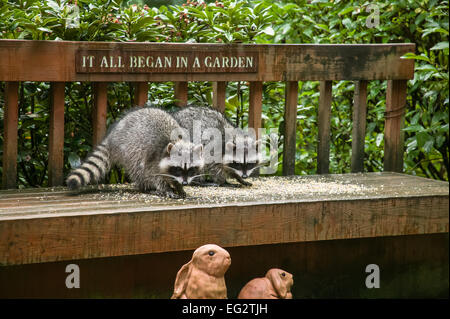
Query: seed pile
[263,189]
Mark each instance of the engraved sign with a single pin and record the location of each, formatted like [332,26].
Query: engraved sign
[103,61]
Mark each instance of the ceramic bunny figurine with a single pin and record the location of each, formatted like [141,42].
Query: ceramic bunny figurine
[275,285]
[203,276]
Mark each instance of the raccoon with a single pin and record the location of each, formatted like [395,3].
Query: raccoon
[230,165]
[145,142]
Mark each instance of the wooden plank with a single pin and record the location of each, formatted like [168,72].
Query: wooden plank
[25,60]
[373,185]
[411,266]
[219,95]
[359,126]
[323,148]
[386,204]
[255,106]
[10,122]
[181,93]
[49,201]
[393,125]
[32,240]
[389,181]
[290,127]
[140,93]
[56,135]
[68,208]
[99,111]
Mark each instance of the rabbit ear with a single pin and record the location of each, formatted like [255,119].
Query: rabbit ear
[275,277]
[181,280]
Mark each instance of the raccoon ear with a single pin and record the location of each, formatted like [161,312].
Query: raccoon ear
[169,148]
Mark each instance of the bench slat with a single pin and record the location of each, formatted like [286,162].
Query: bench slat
[359,126]
[56,135]
[55,61]
[181,93]
[388,204]
[290,127]
[393,125]
[11,117]
[255,105]
[140,93]
[99,112]
[219,95]
[324,115]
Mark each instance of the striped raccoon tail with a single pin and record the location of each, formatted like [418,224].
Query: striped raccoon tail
[93,169]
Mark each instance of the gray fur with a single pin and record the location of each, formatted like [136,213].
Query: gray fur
[140,142]
[211,118]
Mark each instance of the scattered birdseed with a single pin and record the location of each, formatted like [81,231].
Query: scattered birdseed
[270,189]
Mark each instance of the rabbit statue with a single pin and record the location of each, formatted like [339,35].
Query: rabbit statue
[275,285]
[203,276]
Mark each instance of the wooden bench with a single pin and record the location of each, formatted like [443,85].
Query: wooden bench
[303,227]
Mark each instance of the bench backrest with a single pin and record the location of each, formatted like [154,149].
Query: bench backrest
[102,62]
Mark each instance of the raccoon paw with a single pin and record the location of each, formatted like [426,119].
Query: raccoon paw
[242,181]
[168,194]
[176,195]
[181,194]
[177,189]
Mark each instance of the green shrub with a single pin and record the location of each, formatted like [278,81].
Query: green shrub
[424,23]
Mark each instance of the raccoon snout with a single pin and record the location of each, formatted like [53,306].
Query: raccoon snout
[184,183]
[244,175]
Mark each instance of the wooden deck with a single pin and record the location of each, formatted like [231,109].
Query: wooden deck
[47,225]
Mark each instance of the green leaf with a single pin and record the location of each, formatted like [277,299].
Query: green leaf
[440,140]
[434,30]
[285,28]
[269,31]
[309,19]
[347,23]
[411,145]
[379,139]
[410,55]
[440,46]
[74,160]
[422,138]
[428,146]
[45,29]
[52,4]
[322,27]
[346,10]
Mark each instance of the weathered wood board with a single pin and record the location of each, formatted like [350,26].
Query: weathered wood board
[62,61]
[411,267]
[44,225]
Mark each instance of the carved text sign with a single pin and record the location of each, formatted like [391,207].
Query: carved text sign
[104,61]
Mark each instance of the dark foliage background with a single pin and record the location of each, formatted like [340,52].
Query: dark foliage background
[422,22]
